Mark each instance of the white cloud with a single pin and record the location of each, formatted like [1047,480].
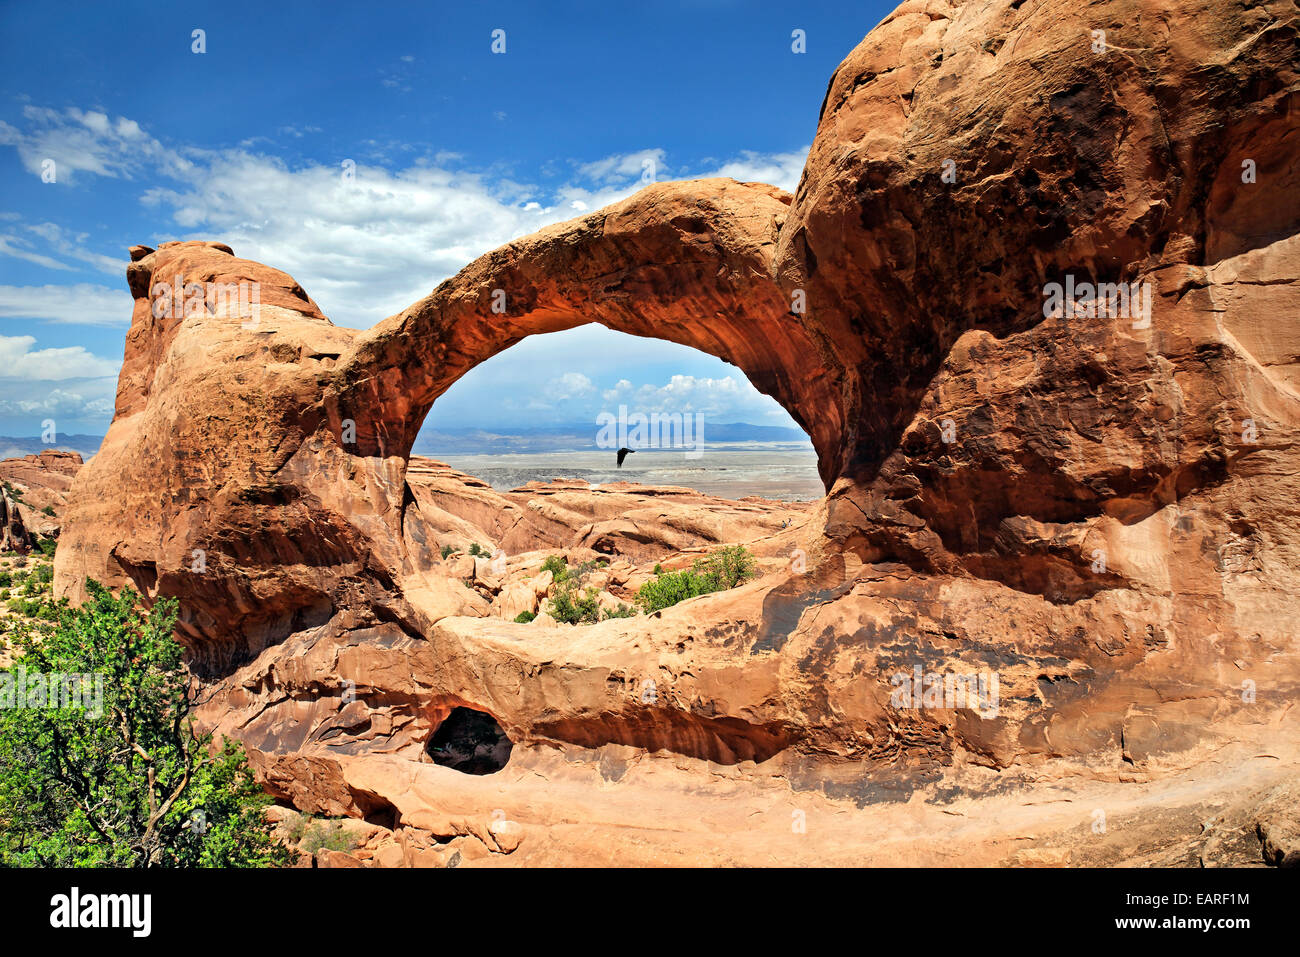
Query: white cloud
[364,249]
[73,246]
[19,248]
[64,384]
[90,401]
[571,385]
[723,399]
[647,165]
[779,169]
[81,303]
[19,361]
[87,142]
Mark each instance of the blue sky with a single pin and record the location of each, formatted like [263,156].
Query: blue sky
[457,150]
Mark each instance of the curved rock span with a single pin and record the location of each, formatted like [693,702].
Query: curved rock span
[1035,303]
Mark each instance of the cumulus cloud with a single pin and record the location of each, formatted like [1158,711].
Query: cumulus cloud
[79,303]
[19,360]
[779,169]
[722,399]
[87,402]
[366,245]
[87,141]
[571,385]
[69,385]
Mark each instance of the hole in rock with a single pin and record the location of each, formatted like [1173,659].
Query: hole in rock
[471,742]
[560,405]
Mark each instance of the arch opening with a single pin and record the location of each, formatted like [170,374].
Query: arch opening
[562,405]
[469,741]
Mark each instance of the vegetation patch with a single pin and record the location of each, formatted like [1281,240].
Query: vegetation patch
[104,766]
[724,569]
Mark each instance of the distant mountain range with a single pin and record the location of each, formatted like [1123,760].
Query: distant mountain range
[579,437]
[12,447]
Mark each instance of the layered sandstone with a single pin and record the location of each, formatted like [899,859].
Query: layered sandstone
[35,491]
[1097,511]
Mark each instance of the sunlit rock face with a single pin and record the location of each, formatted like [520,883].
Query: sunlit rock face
[1074,519]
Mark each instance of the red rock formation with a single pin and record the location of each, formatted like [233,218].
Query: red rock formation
[1094,512]
[40,485]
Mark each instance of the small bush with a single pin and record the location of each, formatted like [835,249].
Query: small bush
[524,617]
[622,611]
[36,608]
[731,566]
[727,568]
[447,550]
[316,836]
[580,572]
[476,549]
[48,510]
[573,607]
[6,578]
[557,567]
[47,545]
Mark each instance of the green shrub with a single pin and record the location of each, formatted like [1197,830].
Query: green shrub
[557,567]
[730,566]
[48,510]
[573,607]
[524,617]
[447,550]
[315,836]
[476,549]
[36,608]
[668,588]
[726,568]
[136,784]
[622,611]
[586,568]
[6,578]
[47,545]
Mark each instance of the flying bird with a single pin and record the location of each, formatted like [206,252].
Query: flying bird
[622,454]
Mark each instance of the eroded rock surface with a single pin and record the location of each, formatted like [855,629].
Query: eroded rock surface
[33,497]
[1097,512]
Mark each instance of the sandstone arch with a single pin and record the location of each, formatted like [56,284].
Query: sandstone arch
[689,262]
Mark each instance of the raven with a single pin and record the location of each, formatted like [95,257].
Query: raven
[622,454]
